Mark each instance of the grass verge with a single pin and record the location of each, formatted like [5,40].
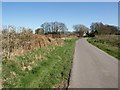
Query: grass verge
[108,45]
[42,68]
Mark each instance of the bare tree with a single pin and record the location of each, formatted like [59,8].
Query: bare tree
[46,27]
[100,28]
[50,27]
[80,29]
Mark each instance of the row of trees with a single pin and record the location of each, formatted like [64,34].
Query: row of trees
[52,27]
[59,27]
[96,28]
[100,28]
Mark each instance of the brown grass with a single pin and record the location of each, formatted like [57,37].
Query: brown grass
[15,44]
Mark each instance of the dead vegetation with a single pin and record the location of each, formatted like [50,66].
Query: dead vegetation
[20,42]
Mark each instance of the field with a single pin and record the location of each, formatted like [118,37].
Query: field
[108,43]
[46,67]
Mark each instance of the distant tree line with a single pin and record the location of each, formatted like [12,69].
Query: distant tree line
[100,28]
[96,28]
[52,27]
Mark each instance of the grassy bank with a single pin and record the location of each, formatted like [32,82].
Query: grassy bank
[109,45]
[46,67]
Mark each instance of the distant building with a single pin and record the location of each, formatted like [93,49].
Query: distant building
[84,34]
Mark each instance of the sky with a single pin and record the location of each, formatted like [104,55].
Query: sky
[33,14]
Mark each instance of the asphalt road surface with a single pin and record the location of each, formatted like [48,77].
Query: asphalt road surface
[93,68]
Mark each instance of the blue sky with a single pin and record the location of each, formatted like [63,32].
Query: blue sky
[32,15]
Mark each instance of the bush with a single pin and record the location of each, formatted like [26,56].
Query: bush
[20,42]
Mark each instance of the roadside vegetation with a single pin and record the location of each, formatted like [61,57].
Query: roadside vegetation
[108,43]
[43,59]
[46,67]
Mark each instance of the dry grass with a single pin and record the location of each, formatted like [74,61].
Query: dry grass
[19,43]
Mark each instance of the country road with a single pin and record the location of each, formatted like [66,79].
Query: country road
[93,68]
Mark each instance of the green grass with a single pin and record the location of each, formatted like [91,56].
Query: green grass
[47,72]
[108,45]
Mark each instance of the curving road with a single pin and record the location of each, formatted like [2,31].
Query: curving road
[93,68]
